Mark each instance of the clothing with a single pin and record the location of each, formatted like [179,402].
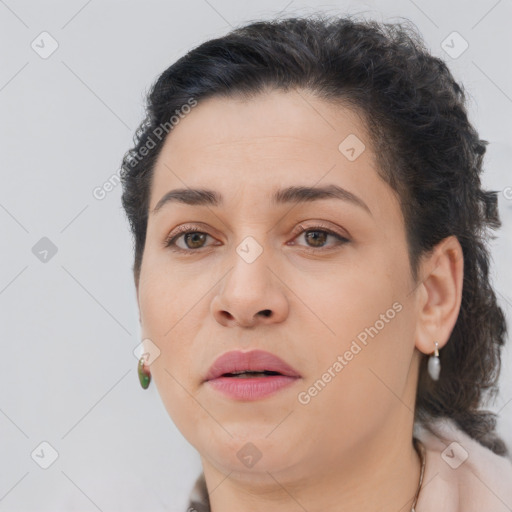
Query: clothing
[481,483]
[461,475]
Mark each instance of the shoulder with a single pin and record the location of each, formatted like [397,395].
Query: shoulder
[461,474]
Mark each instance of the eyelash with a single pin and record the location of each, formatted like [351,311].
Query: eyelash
[170,242]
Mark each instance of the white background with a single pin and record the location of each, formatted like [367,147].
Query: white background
[69,326]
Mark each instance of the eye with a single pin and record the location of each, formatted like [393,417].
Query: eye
[318,235]
[190,234]
[194,238]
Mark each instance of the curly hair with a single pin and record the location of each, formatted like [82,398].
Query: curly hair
[427,151]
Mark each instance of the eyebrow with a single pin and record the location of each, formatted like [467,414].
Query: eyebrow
[293,194]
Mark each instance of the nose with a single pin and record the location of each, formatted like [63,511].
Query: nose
[251,294]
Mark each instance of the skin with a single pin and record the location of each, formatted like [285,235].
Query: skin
[350,447]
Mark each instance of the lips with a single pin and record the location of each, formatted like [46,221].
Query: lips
[238,362]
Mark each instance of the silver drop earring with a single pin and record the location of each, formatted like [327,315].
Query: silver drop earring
[434,364]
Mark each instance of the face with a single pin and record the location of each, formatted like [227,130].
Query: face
[338,295]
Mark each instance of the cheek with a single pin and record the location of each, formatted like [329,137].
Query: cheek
[166,293]
[367,386]
[345,302]
[373,333]
[164,321]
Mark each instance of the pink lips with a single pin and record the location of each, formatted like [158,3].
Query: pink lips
[250,388]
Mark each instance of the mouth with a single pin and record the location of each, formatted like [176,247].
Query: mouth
[246,376]
[257,364]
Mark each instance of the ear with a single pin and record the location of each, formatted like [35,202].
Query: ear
[439,294]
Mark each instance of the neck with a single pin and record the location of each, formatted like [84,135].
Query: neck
[380,473]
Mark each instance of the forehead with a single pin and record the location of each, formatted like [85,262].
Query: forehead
[276,138]
[267,122]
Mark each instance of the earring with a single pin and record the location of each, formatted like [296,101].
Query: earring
[434,364]
[144,374]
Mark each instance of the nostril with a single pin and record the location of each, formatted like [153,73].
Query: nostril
[266,312]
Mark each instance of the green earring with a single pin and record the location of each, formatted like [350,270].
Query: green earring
[144,375]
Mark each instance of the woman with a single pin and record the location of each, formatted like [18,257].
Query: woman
[312,275]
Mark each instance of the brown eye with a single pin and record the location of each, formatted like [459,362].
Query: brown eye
[194,239]
[318,235]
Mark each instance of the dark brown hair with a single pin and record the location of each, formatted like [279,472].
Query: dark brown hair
[428,152]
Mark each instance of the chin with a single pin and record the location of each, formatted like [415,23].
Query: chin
[251,453]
